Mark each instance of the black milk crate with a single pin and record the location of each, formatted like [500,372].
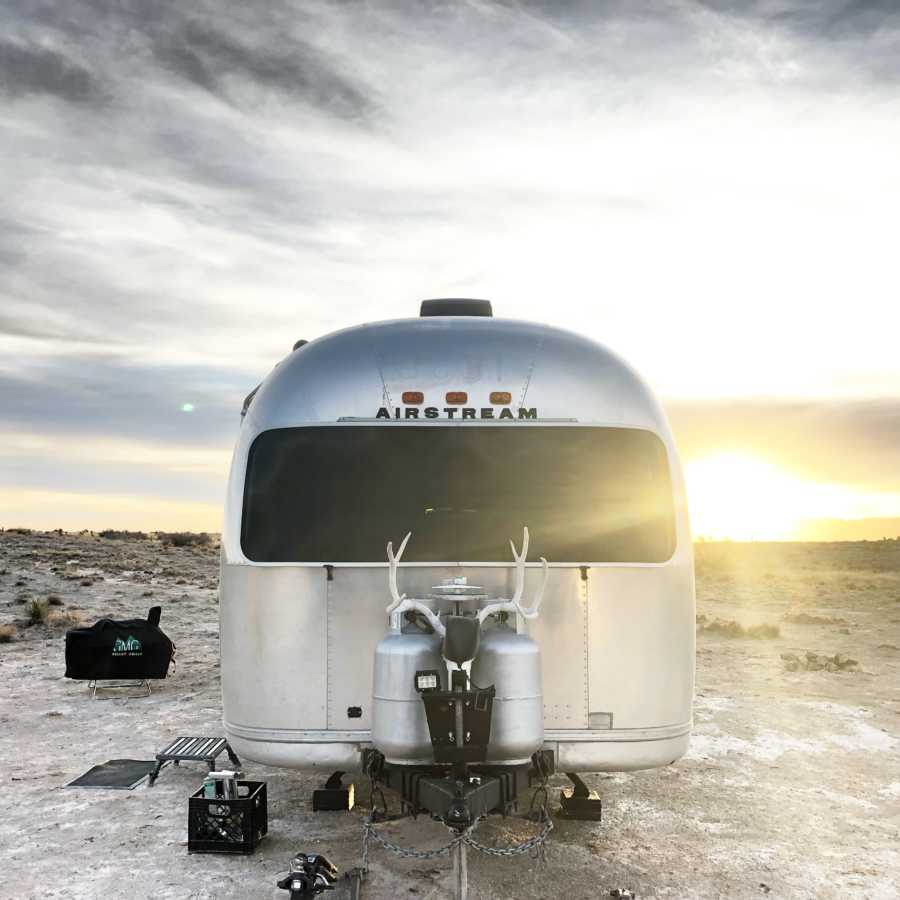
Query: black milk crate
[228,826]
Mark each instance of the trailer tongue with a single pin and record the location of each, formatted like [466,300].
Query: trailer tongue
[432,734]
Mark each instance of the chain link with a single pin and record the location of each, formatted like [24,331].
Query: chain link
[536,842]
[365,850]
[532,843]
[408,852]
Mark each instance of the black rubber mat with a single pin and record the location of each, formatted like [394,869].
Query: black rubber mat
[118,774]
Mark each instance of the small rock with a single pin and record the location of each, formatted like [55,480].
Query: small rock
[815,662]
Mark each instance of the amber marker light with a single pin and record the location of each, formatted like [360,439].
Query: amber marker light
[413,397]
[502,398]
[457,397]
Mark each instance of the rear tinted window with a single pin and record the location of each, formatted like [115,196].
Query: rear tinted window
[340,493]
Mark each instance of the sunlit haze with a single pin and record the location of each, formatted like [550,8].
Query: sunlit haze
[708,188]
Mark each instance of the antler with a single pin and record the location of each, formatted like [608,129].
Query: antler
[533,610]
[520,565]
[401,603]
[515,604]
[392,571]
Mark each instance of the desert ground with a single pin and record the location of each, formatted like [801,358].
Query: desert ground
[791,786]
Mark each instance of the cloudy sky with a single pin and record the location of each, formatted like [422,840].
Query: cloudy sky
[710,188]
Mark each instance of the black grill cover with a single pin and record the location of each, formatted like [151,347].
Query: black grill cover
[126,648]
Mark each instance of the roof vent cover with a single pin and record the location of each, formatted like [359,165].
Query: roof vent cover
[456,306]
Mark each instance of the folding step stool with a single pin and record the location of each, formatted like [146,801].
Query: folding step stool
[194,749]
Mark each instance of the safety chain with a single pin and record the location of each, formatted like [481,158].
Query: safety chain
[406,852]
[538,811]
[536,842]
[533,843]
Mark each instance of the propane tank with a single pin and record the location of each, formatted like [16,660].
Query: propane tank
[399,726]
[512,663]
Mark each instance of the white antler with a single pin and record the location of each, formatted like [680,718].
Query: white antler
[401,603]
[392,571]
[532,611]
[520,565]
[515,605]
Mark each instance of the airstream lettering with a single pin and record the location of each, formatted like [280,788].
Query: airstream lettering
[467,412]
[580,644]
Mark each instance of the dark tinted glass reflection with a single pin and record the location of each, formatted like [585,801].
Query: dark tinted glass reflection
[338,494]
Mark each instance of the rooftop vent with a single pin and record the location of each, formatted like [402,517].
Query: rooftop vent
[456,306]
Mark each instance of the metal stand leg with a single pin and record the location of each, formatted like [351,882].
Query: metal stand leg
[142,684]
[155,773]
[460,872]
[232,756]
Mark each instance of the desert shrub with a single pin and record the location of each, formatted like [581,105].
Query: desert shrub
[19,530]
[185,538]
[7,633]
[730,628]
[37,611]
[113,535]
[804,618]
[69,618]
[54,600]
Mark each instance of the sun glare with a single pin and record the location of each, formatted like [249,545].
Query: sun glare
[738,497]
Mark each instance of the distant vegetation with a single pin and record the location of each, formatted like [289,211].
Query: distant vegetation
[184,538]
[167,538]
[112,535]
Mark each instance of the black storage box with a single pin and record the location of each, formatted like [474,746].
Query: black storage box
[228,826]
[119,649]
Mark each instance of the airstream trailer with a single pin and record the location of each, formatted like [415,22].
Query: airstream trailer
[392,482]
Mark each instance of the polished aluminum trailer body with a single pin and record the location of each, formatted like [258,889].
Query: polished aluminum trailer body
[298,638]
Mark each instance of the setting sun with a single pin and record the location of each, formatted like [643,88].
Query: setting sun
[733,496]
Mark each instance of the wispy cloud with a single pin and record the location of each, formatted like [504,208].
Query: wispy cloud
[31,69]
[708,187]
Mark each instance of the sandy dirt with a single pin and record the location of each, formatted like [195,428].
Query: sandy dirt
[791,787]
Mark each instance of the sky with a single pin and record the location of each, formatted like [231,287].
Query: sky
[709,188]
